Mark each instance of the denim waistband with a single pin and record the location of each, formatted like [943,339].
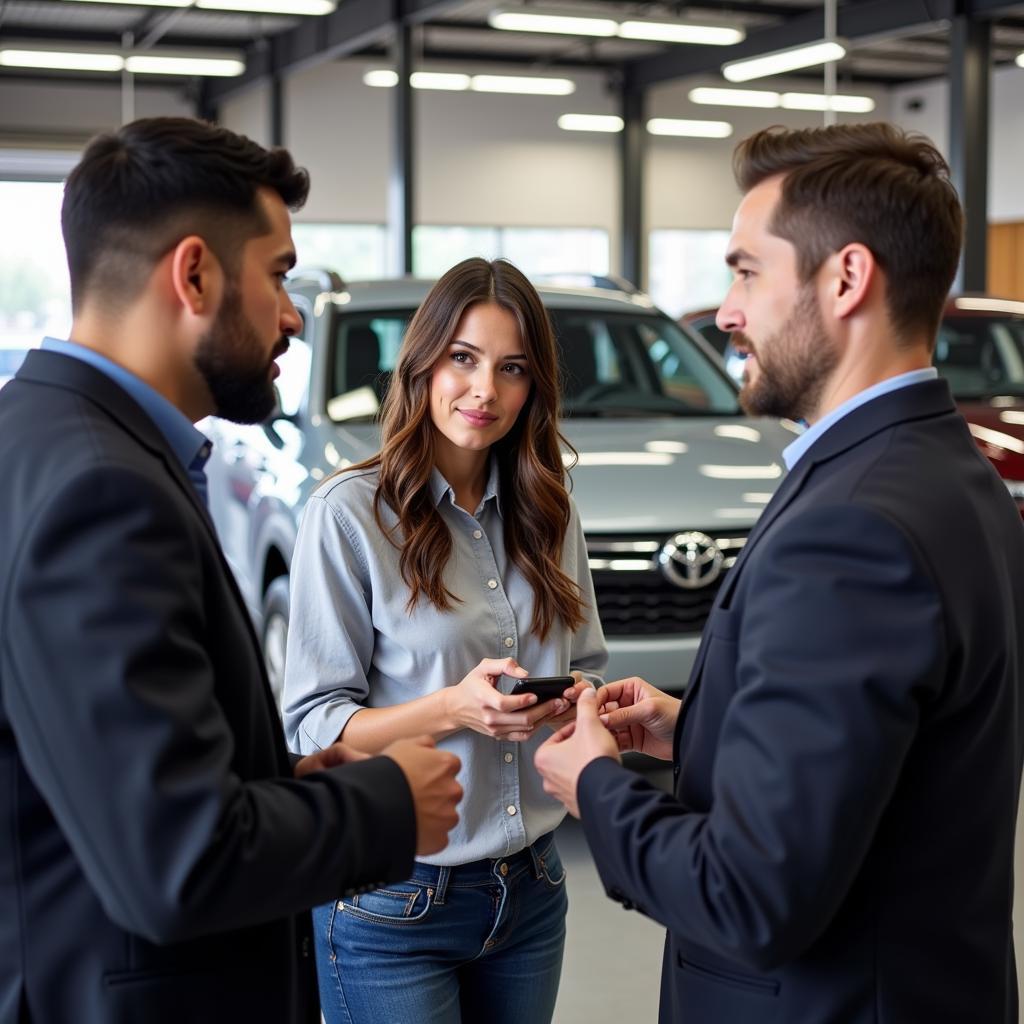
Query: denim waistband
[483,872]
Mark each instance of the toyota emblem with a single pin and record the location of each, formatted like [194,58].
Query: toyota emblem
[691,560]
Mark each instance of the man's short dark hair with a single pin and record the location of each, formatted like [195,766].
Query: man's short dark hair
[138,191]
[869,183]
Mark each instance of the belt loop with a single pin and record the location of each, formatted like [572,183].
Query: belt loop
[441,888]
[538,863]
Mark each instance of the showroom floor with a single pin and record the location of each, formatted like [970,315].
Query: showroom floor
[613,956]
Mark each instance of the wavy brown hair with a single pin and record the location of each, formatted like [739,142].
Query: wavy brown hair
[534,499]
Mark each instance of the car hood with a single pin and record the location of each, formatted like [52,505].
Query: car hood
[999,432]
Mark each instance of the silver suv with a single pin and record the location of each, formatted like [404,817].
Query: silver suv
[670,479]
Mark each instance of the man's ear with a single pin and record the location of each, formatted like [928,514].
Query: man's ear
[196,276]
[852,272]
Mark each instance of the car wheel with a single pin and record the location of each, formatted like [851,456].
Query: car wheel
[275,632]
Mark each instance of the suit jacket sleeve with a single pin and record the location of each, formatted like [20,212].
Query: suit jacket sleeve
[837,645]
[112,698]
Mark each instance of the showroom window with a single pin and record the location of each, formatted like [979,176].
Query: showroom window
[533,250]
[34,296]
[687,269]
[356,251]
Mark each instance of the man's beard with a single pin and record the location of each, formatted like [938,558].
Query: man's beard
[231,359]
[793,365]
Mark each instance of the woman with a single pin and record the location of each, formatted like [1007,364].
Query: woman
[456,546]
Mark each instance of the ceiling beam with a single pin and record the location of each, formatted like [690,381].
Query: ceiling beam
[354,25]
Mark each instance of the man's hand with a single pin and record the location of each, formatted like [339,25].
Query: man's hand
[431,776]
[329,757]
[563,757]
[559,718]
[640,716]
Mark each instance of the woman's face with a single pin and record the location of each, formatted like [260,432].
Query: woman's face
[480,384]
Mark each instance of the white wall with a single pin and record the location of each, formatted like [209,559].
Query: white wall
[1006,134]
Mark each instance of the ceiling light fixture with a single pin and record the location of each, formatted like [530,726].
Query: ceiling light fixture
[438,80]
[562,24]
[60,60]
[1019,59]
[381,78]
[681,32]
[523,86]
[781,61]
[590,123]
[689,129]
[310,7]
[844,104]
[735,97]
[150,62]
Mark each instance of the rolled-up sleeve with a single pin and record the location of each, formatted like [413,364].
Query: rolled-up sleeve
[330,637]
[589,652]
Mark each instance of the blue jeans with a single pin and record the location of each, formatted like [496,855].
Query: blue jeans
[479,942]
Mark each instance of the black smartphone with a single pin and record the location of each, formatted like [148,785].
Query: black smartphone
[545,687]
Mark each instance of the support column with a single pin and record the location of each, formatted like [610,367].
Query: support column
[401,182]
[969,84]
[276,110]
[631,163]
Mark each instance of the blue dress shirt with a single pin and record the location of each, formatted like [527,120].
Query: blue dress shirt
[793,452]
[191,448]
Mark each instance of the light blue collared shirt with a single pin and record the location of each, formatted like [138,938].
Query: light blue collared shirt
[191,448]
[352,644]
[793,452]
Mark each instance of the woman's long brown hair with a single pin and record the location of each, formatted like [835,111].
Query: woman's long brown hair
[534,499]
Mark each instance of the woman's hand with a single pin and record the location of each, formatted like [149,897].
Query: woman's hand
[477,704]
[557,719]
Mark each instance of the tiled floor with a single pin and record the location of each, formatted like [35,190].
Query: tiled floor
[613,957]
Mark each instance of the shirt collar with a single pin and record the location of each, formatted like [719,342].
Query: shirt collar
[190,447]
[439,487]
[793,452]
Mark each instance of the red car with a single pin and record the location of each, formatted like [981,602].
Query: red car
[980,351]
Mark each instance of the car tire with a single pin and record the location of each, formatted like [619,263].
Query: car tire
[274,635]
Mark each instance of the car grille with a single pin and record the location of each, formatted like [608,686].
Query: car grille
[635,598]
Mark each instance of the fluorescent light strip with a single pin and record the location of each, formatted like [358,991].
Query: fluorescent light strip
[521,21]
[689,129]
[590,123]
[680,32]
[312,7]
[144,3]
[209,67]
[783,60]
[54,60]
[438,80]
[523,86]
[818,101]
[735,97]
[1019,59]
[381,78]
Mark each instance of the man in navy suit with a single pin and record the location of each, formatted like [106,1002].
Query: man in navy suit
[161,847]
[838,848]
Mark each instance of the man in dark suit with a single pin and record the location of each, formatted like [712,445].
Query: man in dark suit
[838,848]
[161,847]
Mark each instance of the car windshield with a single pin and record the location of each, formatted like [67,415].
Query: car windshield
[613,365]
[981,356]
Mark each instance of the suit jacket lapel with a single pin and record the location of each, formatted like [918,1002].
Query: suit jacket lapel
[918,401]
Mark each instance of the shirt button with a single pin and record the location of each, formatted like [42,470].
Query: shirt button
[509,642]
[477,534]
[492,584]
[508,759]
[511,809]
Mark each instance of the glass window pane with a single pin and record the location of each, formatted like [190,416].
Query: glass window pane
[355,251]
[34,290]
[687,269]
[556,250]
[437,248]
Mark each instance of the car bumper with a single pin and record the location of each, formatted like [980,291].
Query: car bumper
[664,662]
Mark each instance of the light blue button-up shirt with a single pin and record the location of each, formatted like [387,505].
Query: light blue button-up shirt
[352,644]
[191,448]
[793,452]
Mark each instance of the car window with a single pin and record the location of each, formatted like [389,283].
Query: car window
[611,363]
[981,356]
[10,360]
